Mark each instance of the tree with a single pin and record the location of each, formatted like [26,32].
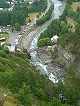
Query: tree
[17,26]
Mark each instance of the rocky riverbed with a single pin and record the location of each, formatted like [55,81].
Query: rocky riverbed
[53,67]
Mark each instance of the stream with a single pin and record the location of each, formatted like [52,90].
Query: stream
[57,12]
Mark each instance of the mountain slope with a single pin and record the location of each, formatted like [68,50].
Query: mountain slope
[19,80]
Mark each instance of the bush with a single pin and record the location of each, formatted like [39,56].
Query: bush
[44,42]
[38,6]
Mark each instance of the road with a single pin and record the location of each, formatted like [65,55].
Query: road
[48,6]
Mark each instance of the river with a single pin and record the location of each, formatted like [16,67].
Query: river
[57,12]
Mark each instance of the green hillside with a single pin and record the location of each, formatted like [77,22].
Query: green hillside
[22,83]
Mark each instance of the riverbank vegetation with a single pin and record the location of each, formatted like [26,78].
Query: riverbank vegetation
[45,17]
